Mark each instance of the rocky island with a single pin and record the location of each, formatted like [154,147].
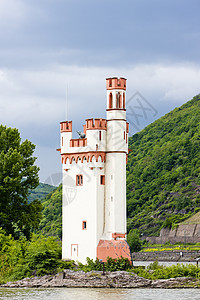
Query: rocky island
[95,279]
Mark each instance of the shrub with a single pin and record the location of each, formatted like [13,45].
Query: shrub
[134,240]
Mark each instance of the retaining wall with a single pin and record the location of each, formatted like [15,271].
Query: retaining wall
[175,255]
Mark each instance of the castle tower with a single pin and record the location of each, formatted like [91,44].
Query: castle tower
[94,182]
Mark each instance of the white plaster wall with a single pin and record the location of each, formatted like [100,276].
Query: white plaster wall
[116,114]
[86,206]
[66,137]
[115,135]
[109,193]
[100,205]
[115,193]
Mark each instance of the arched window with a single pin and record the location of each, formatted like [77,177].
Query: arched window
[110,101]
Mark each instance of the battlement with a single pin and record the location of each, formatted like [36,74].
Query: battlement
[116,83]
[66,126]
[99,124]
[78,142]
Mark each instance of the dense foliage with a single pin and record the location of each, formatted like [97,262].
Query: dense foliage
[156,271]
[134,241]
[22,258]
[51,223]
[40,256]
[163,172]
[18,175]
[111,265]
[41,191]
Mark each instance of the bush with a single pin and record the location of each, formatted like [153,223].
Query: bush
[155,271]
[134,240]
[111,265]
[22,258]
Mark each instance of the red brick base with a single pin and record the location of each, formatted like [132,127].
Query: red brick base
[113,248]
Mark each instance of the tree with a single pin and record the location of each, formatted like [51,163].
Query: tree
[18,175]
[133,239]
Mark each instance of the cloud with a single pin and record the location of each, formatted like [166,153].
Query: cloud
[11,11]
[40,96]
[35,101]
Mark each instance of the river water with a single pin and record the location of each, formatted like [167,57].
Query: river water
[99,294]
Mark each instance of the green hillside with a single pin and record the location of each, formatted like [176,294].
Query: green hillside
[163,175]
[51,223]
[41,191]
[195,219]
[163,172]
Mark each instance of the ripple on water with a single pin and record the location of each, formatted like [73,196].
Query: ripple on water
[99,294]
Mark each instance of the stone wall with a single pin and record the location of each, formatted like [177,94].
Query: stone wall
[175,255]
[182,234]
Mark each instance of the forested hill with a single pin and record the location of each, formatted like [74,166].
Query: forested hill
[163,172]
[40,192]
[51,223]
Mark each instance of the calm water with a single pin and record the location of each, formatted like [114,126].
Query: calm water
[99,294]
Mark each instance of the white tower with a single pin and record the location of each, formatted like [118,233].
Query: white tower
[94,183]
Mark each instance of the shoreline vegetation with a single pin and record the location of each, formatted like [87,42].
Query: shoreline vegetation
[37,263]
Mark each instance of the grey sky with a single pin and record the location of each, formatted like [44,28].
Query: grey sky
[48,45]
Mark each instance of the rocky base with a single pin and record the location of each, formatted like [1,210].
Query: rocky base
[96,279]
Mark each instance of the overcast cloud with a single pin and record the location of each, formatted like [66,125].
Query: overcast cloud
[48,47]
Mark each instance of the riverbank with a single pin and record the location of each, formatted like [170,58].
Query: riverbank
[95,279]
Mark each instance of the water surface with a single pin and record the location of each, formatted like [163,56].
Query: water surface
[98,294]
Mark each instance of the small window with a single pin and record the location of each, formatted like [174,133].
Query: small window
[79,179]
[62,140]
[102,179]
[100,135]
[84,225]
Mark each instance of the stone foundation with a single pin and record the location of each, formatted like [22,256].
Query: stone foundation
[114,249]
